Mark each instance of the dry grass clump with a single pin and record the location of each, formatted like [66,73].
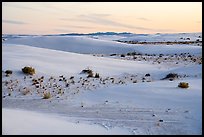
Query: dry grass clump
[46,95]
[183,85]
[25,91]
[28,70]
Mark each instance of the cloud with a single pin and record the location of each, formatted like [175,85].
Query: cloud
[101,19]
[61,30]
[81,27]
[144,19]
[64,19]
[73,27]
[14,22]
[100,15]
[35,6]
[15,5]
[104,21]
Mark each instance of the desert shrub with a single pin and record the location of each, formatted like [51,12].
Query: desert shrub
[90,74]
[8,72]
[129,54]
[72,77]
[112,54]
[60,91]
[26,91]
[135,81]
[183,85]
[171,76]
[134,53]
[28,70]
[46,95]
[97,75]
[87,71]
[122,55]
[147,75]
[189,56]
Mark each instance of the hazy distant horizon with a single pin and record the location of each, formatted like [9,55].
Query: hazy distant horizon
[100,32]
[46,18]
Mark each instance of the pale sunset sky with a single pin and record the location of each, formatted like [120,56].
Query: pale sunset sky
[88,17]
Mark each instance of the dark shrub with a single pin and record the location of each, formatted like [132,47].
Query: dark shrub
[28,70]
[97,75]
[134,53]
[183,85]
[112,54]
[135,81]
[147,75]
[171,76]
[122,55]
[134,57]
[129,54]
[8,72]
[90,74]
[87,71]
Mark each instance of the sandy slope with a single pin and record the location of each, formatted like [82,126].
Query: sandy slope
[164,37]
[35,123]
[84,44]
[157,107]
[53,62]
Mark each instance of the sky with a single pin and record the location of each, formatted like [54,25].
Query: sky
[88,17]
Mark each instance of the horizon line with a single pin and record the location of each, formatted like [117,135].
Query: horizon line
[80,33]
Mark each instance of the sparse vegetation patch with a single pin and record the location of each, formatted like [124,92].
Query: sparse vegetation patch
[28,70]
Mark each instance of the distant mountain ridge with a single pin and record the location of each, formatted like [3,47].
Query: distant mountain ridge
[90,34]
[97,33]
